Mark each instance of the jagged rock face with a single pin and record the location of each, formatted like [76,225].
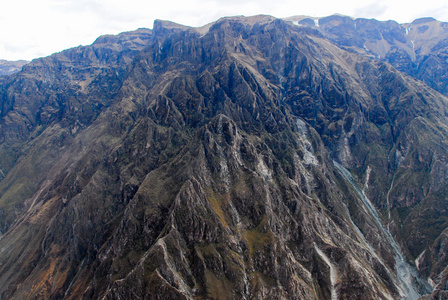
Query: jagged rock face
[69,87]
[418,48]
[204,169]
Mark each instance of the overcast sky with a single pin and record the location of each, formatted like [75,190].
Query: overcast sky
[35,28]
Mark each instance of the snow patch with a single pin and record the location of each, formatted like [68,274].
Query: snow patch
[316,22]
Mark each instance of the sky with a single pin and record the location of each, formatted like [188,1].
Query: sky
[35,28]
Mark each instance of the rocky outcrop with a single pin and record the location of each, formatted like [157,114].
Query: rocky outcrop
[251,158]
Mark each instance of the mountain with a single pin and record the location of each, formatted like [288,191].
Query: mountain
[418,49]
[250,158]
[11,67]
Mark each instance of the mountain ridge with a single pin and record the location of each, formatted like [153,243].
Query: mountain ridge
[207,171]
[11,67]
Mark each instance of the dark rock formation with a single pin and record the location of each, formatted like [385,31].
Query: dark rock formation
[418,49]
[248,159]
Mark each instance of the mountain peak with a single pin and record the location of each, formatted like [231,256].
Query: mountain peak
[423,20]
[251,20]
[169,25]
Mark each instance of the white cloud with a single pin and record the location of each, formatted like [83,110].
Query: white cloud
[372,10]
[36,28]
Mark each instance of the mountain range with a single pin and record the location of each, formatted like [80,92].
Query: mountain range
[11,67]
[251,158]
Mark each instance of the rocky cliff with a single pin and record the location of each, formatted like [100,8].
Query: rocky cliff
[418,49]
[251,158]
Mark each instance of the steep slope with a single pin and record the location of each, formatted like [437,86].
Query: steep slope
[418,48]
[69,88]
[47,89]
[217,166]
